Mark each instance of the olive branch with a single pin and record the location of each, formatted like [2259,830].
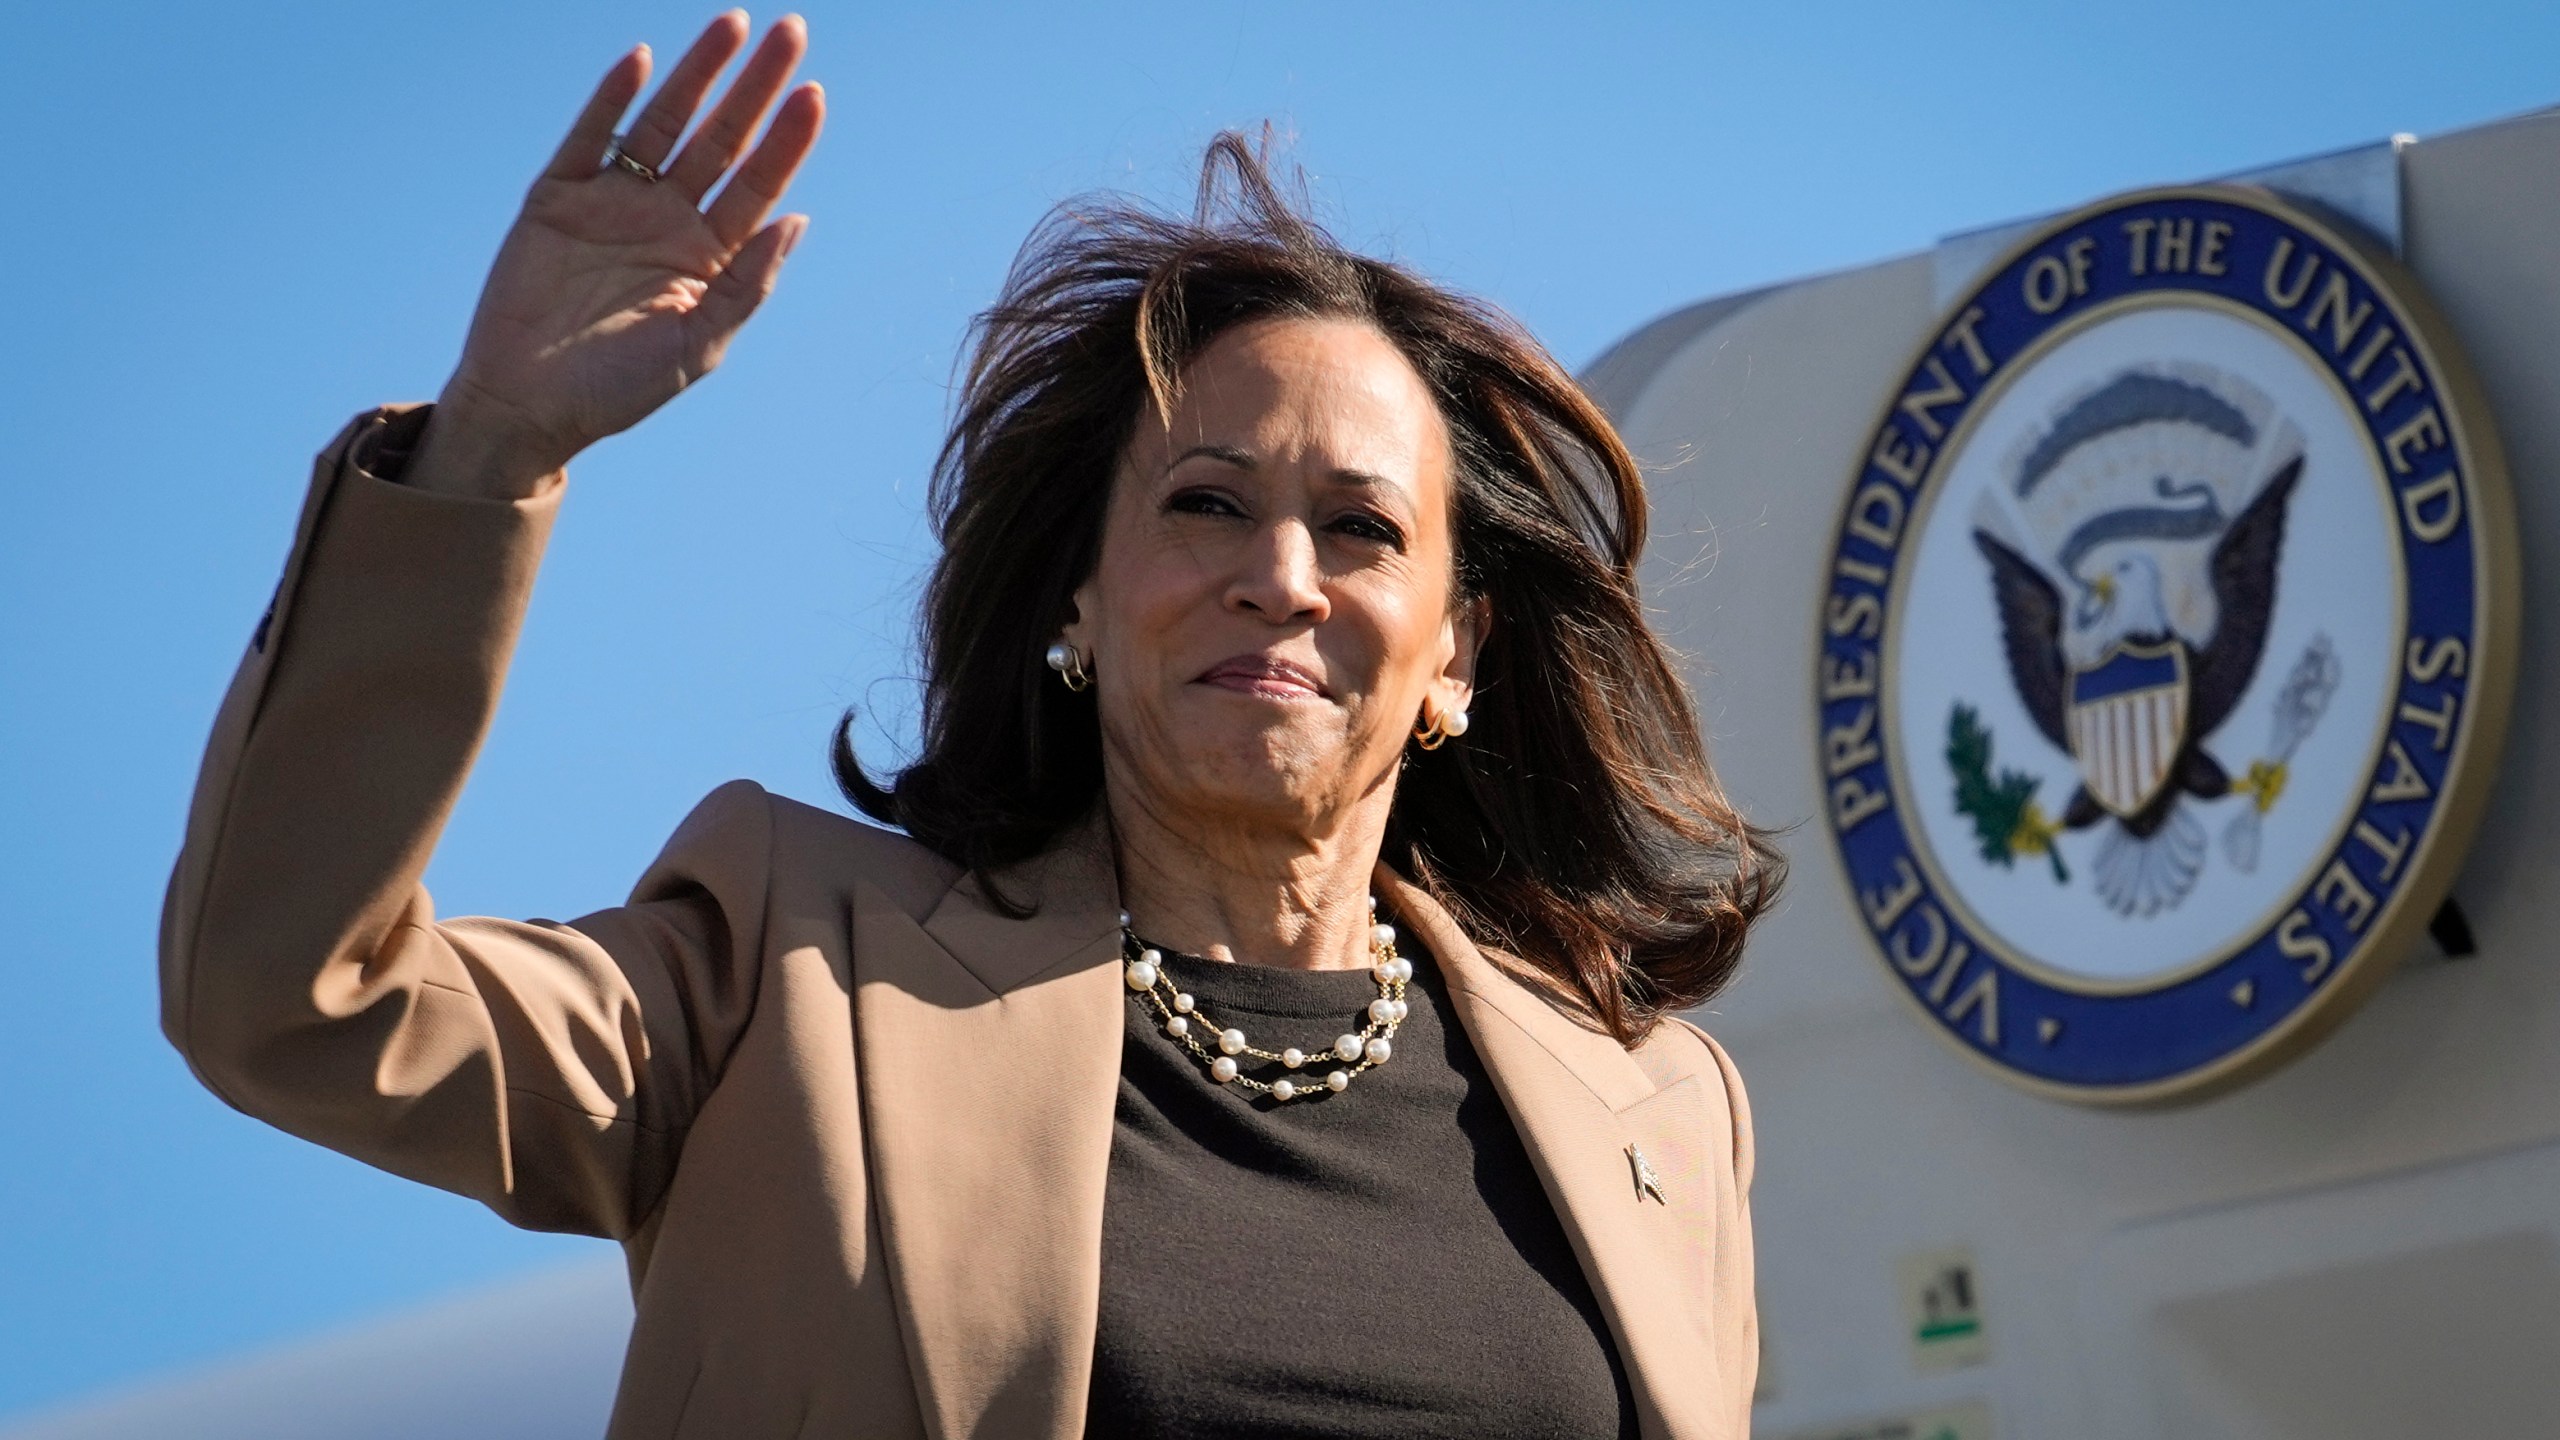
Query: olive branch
[2006,819]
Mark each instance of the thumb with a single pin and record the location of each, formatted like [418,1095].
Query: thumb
[736,291]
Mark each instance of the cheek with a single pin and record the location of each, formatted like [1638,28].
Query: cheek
[1391,641]
[1151,605]
[1146,605]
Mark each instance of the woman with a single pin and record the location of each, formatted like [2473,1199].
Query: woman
[1263,1023]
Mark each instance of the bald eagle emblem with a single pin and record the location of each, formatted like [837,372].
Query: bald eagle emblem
[2158,501]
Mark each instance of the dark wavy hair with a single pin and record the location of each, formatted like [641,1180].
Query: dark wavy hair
[1578,825]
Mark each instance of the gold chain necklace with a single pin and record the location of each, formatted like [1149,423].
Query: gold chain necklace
[1357,1051]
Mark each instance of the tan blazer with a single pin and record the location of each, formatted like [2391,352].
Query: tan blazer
[850,1124]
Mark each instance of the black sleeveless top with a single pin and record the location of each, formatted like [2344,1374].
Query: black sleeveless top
[1381,1262]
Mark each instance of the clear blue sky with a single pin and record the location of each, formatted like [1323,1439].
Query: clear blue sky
[233,225]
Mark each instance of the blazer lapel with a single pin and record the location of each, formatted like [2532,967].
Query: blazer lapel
[988,1050]
[1581,1102]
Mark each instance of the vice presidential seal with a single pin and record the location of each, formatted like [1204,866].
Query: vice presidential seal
[2166,645]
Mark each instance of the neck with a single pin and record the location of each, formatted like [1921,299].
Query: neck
[1293,897]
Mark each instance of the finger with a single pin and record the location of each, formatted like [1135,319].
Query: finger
[723,138]
[653,136]
[750,193]
[737,291]
[582,153]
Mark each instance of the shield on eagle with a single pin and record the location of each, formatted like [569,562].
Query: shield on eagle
[2127,720]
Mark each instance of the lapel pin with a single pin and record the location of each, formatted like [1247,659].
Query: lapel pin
[1648,1184]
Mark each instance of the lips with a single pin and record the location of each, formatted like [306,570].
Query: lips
[1264,675]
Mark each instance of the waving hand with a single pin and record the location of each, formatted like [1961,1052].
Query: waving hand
[613,290]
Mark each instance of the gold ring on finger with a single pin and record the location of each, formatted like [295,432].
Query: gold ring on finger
[615,156]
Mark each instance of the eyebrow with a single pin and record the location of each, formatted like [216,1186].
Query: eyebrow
[1241,459]
[1244,459]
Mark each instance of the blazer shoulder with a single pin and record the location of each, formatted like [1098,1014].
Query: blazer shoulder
[1676,1049]
[1712,1063]
[813,846]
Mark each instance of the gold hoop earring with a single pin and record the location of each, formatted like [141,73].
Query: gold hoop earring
[1442,729]
[1069,663]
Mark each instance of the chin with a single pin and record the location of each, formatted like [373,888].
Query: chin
[1264,770]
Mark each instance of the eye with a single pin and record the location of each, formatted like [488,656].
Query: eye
[1367,525]
[1202,502]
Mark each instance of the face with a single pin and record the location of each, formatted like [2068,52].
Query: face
[1273,610]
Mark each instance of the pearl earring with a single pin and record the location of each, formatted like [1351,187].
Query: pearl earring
[1069,664]
[1446,726]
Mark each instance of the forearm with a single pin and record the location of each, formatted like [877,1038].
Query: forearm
[339,752]
[548,1070]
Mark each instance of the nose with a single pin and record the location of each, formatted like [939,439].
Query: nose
[1277,577]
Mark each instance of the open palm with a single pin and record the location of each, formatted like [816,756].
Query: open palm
[614,291]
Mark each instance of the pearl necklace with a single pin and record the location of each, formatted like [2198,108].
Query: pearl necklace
[1358,1051]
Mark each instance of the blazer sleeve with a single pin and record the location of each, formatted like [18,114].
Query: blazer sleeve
[548,1070]
[1738,1319]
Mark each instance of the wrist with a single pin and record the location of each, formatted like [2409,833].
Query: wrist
[477,447]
